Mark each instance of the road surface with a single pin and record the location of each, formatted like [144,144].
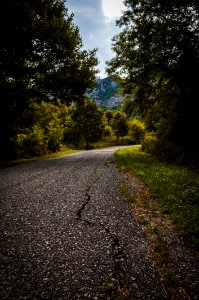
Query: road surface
[67,232]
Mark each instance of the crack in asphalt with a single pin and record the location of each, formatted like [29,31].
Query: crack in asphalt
[68,234]
[82,208]
[118,277]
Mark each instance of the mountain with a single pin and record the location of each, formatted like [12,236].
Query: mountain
[106,93]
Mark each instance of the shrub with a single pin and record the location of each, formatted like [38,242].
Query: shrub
[46,125]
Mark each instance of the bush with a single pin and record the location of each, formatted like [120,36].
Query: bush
[46,126]
[31,143]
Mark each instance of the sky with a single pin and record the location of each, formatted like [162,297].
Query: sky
[96,21]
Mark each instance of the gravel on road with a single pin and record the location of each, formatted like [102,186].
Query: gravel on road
[67,233]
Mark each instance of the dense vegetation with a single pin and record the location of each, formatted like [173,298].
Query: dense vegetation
[41,61]
[157,61]
[45,77]
[55,126]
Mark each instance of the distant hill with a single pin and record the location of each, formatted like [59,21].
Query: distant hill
[106,93]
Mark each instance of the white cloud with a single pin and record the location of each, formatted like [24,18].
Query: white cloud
[112,8]
[97,27]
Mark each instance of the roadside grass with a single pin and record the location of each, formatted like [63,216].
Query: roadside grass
[104,143]
[164,198]
[175,189]
[5,164]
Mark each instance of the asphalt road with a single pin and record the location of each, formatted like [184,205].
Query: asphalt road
[67,233]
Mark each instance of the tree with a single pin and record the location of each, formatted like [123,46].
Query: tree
[40,57]
[119,124]
[109,116]
[129,107]
[157,55]
[136,130]
[46,124]
[87,117]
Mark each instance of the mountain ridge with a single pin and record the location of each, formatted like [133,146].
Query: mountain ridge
[106,93]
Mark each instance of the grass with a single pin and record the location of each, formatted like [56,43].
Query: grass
[165,200]
[175,188]
[147,212]
[5,164]
[104,143]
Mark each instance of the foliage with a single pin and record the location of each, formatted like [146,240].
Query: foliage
[119,124]
[107,131]
[149,143]
[110,141]
[109,116]
[41,57]
[157,58]
[87,118]
[136,130]
[46,124]
[169,151]
[36,143]
[129,107]
[175,188]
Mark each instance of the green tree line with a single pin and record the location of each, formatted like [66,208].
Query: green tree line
[53,126]
[157,62]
